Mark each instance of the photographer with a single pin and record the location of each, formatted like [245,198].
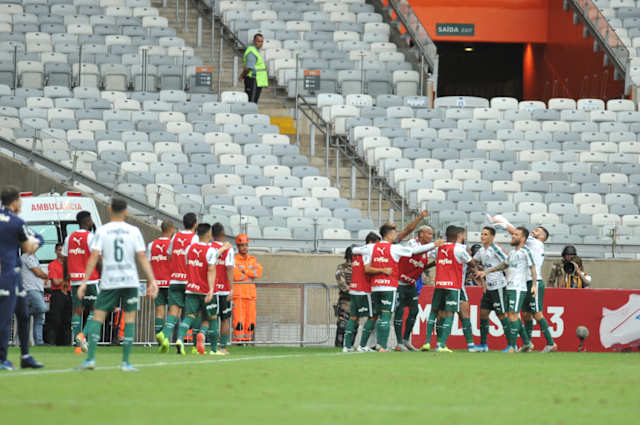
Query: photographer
[568,272]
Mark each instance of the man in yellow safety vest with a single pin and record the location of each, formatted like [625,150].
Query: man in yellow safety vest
[254,73]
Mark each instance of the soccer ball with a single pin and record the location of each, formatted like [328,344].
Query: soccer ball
[582,332]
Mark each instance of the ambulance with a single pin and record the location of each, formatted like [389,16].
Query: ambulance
[53,215]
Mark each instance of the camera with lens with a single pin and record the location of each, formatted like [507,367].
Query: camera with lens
[568,267]
[568,263]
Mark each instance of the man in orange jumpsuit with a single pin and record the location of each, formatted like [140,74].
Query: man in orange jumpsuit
[245,271]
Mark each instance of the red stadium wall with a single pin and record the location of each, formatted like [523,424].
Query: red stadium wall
[612,317]
[557,62]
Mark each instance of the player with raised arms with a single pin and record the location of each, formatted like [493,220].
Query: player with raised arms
[519,264]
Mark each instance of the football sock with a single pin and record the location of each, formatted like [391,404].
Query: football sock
[397,324]
[514,330]
[224,340]
[127,341]
[349,333]
[447,322]
[195,329]
[431,323]
[184,327]
[89,318]
[506,328]
[93,336]
[545,330]
[366,332]
[484,331]
[439,327]
[158,323]
[204,330]
[169,325]
[466,329]
[213,334]
[382,328]
[523,333]
[528,326]
[75,327]
[411,321]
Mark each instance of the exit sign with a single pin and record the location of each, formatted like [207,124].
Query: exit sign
[464,30]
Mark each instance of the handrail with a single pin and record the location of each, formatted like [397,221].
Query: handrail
[95,185]
[342,144]
[606,36]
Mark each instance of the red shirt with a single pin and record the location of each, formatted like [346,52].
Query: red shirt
[78,253]
[359,279]
[448,269]
[179,245]
[198,259]
[412,267]
[380,259]
[55,271]
[223,286]
[159,260]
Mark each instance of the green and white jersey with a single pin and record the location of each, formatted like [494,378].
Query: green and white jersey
[118,244]
[519,261]
[537,251]
[490,257]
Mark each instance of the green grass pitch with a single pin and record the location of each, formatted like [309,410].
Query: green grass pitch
[273,385]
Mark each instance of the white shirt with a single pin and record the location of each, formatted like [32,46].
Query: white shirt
[490,257]
[520,262]
[118,243]
[537,251]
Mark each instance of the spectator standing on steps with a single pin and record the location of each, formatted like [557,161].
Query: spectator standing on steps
[254,73]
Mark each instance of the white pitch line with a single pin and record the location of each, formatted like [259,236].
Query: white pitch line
[180,363]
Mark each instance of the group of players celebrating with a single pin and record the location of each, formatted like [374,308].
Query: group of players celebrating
[189,271]
[384,275]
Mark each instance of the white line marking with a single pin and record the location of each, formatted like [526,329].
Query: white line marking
[160,364]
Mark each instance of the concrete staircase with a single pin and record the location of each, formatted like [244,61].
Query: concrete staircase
[273,106]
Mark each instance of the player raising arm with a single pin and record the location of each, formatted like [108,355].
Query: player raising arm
[534,302]
[519,264]
[119,245]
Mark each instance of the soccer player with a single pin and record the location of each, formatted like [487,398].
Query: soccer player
[224,287]
[159,259]
[490,255]
[450,259]
[360,301]
[464,312]
[14,235]
[534,302]
[385,256]
[520,264]
[177,251]
[77,252]
[411,268]
[200,301]
[119,245]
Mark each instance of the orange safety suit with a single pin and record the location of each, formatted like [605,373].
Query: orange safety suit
[245,271]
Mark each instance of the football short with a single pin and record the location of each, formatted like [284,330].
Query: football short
[463,295]
[534,303]
[127,298]
[195,305]
[383,300]
[162,298]
[224,306]
[89,299]
[494,300]
[407,296]
[445,300]
[176,295]
[360,306]
[515,299]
